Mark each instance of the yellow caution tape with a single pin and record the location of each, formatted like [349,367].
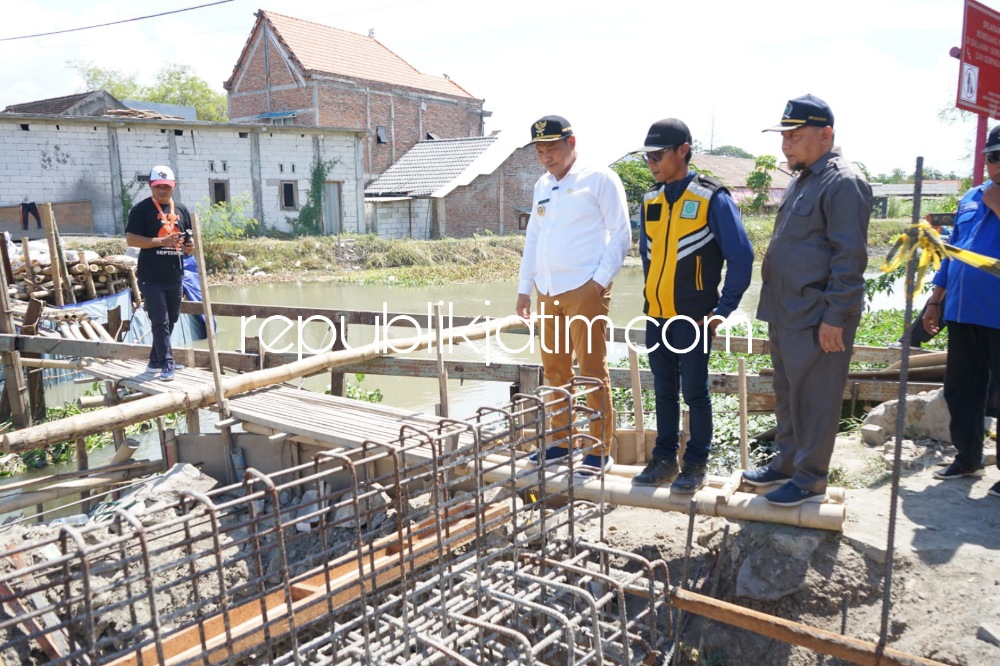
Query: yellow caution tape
[924,238]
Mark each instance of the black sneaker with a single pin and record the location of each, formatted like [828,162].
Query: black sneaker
[791,495]
[691,478]
[658,471]
[995,490]
[957,470]
[764,476]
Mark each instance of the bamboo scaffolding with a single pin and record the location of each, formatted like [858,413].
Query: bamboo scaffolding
[80,425]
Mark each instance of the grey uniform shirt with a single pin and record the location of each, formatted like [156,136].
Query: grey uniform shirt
[814,267]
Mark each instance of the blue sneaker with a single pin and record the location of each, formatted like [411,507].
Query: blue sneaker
[791,495]
[167,375]
[592,464]
[551,453]
[764,476]
[152,369]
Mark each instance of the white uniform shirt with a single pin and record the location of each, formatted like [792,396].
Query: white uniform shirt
[578,230]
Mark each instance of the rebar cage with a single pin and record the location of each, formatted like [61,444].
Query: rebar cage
[443,546]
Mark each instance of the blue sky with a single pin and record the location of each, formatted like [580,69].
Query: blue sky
[725,67]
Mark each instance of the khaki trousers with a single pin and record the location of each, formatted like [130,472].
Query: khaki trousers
[585,314]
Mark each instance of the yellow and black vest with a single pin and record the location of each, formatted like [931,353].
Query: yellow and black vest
[682,260]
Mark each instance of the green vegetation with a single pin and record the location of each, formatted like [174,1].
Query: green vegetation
[309,221]
[175,84]
[356,391]
[227,219]
[759,182]
[64,452]
[636,178]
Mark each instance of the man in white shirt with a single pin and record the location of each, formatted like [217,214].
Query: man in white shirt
[576,243]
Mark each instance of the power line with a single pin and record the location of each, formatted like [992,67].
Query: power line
[102,25]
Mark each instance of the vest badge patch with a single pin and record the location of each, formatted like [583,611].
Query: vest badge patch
[689,210]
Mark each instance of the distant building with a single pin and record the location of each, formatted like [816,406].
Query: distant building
[295,72]
[453,187]
[733,172]
[90,165]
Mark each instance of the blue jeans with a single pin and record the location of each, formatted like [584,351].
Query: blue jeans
[163,305]
[675,373]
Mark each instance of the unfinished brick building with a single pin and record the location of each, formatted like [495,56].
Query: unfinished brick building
[295,72]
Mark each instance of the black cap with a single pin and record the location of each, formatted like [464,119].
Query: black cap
[665,133]
[550,128]
[993,140]
[805,111]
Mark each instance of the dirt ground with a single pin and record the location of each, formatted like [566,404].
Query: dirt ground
[945,580]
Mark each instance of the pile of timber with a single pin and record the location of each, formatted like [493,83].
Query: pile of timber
[88,279]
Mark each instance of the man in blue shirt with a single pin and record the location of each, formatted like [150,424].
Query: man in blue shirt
[690,228]
[973,320]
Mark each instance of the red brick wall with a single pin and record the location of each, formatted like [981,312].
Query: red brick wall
[356,103]
[475,208]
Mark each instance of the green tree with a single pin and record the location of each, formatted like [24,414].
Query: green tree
[759,182]
[636,178]
[121,85]
[729,151]
[175,84]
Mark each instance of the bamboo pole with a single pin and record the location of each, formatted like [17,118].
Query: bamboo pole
[442,370]
[843,647]
[79,425]
[13,372]
[49,224]
[744,438]
[206,304]
[88,277]
[637,408]
[75,487]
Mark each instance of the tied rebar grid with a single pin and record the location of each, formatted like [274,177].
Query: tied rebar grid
[443,546]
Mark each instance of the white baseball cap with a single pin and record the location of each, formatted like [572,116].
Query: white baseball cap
[162,175]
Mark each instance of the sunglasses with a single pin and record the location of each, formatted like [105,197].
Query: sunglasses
[992,157]
[655,156]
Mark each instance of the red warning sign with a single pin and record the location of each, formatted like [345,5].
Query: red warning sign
[979,76]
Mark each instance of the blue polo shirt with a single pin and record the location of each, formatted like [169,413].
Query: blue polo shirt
[972,292]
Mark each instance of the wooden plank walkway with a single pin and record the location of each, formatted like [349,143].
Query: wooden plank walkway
[328,419]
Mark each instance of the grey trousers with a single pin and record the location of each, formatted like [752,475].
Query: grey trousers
[809,393]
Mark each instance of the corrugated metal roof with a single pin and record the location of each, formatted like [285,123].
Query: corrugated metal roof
[328,50]
[429,166]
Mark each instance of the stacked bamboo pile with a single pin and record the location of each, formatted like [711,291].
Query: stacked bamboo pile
[67,323]
[89,279]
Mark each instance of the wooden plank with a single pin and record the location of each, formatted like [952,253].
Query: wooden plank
[843,647]
[54,642]
[114,350]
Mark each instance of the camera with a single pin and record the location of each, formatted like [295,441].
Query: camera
[187,237]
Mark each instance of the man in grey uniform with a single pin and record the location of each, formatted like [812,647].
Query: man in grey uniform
[812,298]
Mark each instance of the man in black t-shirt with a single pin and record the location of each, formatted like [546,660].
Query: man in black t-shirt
[160,228]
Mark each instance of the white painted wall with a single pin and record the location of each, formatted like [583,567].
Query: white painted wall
[400,219]
[66,159]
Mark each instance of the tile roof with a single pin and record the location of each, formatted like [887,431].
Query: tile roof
[429,166]
[54,106]
[732,171]
[327,50]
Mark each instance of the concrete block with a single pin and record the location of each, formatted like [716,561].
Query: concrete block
[872,435]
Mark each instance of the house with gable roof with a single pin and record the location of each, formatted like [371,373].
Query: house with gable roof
[733,172]
[454,188]
[296,72]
